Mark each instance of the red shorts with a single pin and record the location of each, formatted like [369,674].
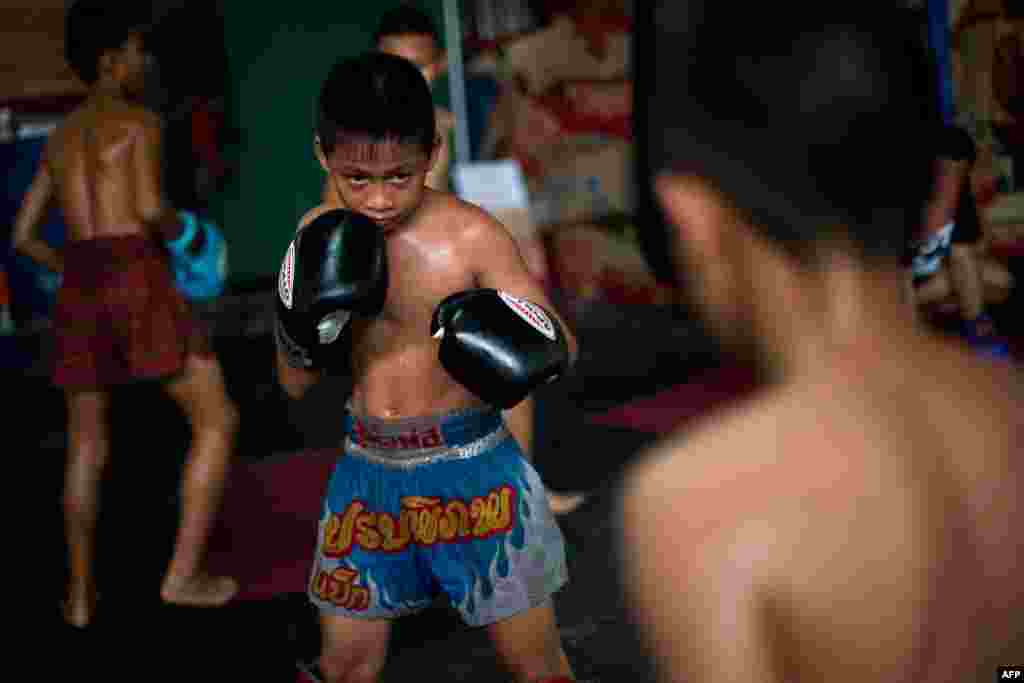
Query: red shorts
[118,316]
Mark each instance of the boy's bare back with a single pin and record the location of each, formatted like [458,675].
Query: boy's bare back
[105,164]
[851,529]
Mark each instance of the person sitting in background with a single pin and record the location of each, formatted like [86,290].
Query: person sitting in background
[947,260]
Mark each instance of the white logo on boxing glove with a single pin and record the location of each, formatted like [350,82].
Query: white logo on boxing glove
[531,313]
[286,277]
[330,326]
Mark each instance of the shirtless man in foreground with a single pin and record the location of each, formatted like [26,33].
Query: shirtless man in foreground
[858,518]
[118,317]
[428,299]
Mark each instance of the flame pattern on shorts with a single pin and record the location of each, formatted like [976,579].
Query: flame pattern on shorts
[493,554]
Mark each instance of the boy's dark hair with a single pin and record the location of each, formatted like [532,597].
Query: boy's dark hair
[403,20]
[92,27]
[819,130]
[377,97]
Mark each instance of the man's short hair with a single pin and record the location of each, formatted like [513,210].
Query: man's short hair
[405,20]
[376,97]
[92,27]
[816,125]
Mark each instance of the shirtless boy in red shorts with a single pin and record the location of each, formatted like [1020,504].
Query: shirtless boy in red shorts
[118,317]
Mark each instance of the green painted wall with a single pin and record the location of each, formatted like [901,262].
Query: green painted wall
[277,58]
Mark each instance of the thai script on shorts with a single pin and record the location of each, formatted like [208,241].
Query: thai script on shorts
[422,521]
[339,588]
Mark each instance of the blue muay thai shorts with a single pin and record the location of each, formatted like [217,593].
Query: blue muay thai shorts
[428,506]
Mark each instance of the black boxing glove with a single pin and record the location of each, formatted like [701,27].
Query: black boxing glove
[498,346]
[334,267]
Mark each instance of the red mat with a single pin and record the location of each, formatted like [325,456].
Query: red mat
[1006,250]
[267,531]
[673,407]
[667,410]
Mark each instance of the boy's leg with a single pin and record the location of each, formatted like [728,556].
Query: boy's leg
[965,273]
[530,646]
[935,289]
[88,453]
[520,421]
[352,650]
[201,394]
[504,577]
[998,281]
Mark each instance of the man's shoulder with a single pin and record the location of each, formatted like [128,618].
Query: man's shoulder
[460,219]
[133,116]
[742,462]
[469,221]
[444,118]
[125,119]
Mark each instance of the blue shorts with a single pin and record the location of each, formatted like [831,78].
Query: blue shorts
[446,504]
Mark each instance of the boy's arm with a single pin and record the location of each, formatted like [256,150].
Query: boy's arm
[296,381]
[499,265]
[150,204]
[519,420]
[30,215]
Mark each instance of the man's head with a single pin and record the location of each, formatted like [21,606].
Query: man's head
[409,33]
[106,43]
[796,143]
[376,136]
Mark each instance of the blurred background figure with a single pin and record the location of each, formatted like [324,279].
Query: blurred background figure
[949,264]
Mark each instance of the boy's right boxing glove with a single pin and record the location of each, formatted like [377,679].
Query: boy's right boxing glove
[335,266]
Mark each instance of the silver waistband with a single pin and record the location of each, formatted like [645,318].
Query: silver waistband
[391,426]
[414,457]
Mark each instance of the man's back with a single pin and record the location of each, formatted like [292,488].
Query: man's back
[95,160]
[859,529]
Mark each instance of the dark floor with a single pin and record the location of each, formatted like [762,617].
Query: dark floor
[624,354]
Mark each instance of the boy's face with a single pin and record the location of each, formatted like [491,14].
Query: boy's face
[383,180]
[420,49]
[130,64]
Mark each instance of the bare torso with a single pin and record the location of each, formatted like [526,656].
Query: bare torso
[882,515]
[396,372]
[919,567]
[90,157]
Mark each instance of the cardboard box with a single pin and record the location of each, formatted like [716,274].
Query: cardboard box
[560,53]
[589,183]
[595,262]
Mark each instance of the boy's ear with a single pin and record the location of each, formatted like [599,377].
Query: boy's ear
[106,62]
[435,153]
[318,149]
[440,65]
